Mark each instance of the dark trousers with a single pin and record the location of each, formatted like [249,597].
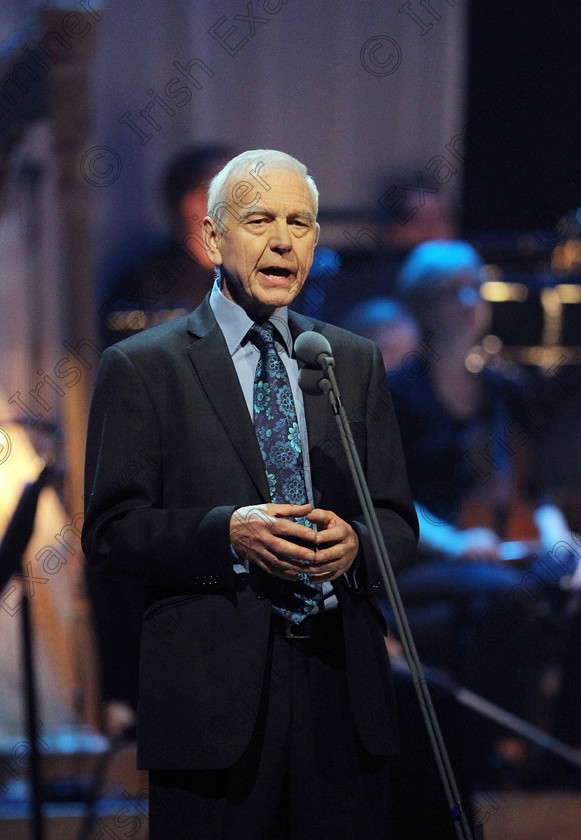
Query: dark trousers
[304,774]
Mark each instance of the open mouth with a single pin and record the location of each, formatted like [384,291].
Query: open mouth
[276,273]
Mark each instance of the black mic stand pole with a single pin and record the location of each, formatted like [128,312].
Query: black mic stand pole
[328,385]
[485,708]
[32,722]
[12,548]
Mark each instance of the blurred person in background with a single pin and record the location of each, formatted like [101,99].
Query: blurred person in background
[173,279]
[389,325]
[465,434]
[414,209]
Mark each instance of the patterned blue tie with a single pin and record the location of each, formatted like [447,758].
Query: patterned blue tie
[279,439]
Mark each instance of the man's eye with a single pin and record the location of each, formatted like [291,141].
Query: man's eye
[257,221]
[300,227]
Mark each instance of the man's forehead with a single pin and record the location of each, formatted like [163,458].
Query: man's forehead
[275,188]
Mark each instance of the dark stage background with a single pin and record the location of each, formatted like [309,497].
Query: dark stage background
[523,164]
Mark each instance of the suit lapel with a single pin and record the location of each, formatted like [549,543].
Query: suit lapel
[213,364]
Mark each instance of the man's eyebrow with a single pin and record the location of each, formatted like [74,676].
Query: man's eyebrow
[256,211]
[266,211]
[302,214]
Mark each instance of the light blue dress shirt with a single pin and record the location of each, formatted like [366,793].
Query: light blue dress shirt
[235,323]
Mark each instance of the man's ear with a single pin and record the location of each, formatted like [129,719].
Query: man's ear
[212,240]
[317,232]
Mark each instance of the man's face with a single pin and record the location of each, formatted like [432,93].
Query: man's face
[267,252]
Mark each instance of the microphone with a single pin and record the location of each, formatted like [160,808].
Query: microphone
[313,381]
[314,350]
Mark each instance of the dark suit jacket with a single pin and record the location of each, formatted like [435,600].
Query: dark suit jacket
[171,452]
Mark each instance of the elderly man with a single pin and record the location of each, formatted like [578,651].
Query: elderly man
[266,707]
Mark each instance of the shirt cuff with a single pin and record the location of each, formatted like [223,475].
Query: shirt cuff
[240,565]
[351,575]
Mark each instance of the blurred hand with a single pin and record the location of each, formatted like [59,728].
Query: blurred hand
[394,649]
[552,526]
[575,582]
[477,544]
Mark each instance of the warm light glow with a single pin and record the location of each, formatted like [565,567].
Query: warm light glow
[546,357]
[492,344]
[474,362]
[137,319]
[53,561]
[497,291]
[566,256]
[552,309]
[568,293]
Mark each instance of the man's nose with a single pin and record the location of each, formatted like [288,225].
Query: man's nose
[280,239]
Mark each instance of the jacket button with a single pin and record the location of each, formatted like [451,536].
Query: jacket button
[375,585]
[260,596]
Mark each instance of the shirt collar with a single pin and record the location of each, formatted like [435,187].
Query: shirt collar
[235,322]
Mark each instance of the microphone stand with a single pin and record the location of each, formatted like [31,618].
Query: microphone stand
[12,548]
[328,385]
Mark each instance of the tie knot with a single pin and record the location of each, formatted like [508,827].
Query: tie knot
[262,335]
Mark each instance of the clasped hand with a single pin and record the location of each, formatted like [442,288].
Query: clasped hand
[264,534]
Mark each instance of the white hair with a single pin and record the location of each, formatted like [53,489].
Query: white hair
[242,166]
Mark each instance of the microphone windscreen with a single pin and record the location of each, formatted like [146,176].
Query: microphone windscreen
[310,345]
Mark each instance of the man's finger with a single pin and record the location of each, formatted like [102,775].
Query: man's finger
[279,567]
[329,555]
[294,532]
[320,516]
[287,550]
[288,510]
[285,573]
[337,533]
[330,573]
